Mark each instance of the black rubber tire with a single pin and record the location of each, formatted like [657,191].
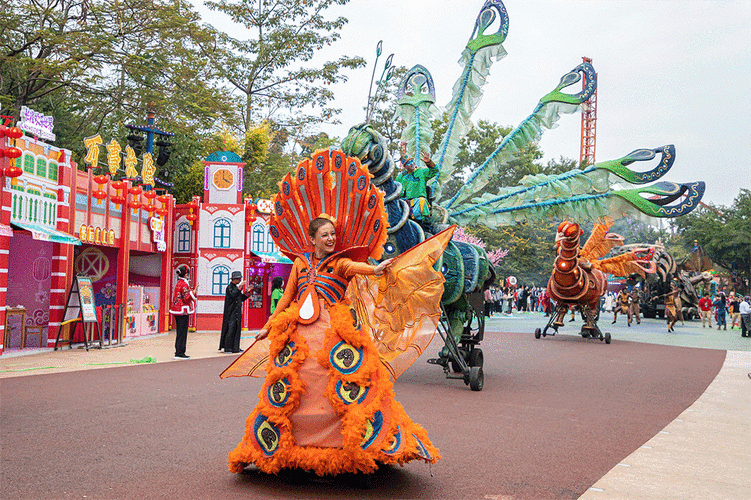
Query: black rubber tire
[476,357]
[607,338]
[455,367]
[538,333]
[476,378]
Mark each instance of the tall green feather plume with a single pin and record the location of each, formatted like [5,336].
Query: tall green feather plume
[655,201]
[598,178]
[480,53]
[545,115]
[416,106]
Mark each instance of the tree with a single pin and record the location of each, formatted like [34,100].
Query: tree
[383,109]
[267,70]
[494,256]
[189,182]
[312,143]
[95,66]
[725,234]
[479,143]
[100,63]
[530,249]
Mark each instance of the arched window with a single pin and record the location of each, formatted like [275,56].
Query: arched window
[28,163]
[222,231]
[219,280]
[42,167]
[52,171]
[257,240]
[270,246]
[183,237]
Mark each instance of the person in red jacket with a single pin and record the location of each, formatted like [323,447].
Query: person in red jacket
[705,306]
[183,305]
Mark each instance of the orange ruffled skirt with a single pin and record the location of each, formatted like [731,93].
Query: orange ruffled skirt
[327,404]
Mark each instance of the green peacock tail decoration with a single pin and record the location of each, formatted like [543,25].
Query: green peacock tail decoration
[597,179]
[416,106]
[545,115]
[645,203]
[586,193]
[478,56]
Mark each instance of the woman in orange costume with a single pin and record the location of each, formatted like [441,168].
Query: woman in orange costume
[327,404]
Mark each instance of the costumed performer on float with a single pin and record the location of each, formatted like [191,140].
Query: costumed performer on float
[341,333]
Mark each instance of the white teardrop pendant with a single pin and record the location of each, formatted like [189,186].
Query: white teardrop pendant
[307,310]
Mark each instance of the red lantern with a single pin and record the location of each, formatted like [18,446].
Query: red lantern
[150,194]
[135,205]
[13,172]
[192,205]
[150,208]
[99,195]
[12,152]
[101,179]
[162,212]
[135,190]
[118,199]
[251,217]
[191,218]
[163,199]
[14,133]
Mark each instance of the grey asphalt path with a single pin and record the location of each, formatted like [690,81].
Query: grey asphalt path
[651,331]
[557,416]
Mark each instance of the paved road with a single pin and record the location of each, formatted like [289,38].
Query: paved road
[556,415]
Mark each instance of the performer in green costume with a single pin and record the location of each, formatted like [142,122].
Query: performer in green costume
[414,184]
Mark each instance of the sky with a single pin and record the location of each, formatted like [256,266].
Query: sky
[669,72]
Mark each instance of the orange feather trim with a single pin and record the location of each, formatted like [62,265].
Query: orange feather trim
[375,428]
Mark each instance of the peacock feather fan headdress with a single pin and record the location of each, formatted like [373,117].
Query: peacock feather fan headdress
[335,186]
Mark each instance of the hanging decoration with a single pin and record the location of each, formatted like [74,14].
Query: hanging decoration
[135,192]
[251,217]
[150,195]
[118,199]
[14,132]
[147,172]
[100,194]
[193,205]
[11,152]
[130,163]
[164,200]
[92,150]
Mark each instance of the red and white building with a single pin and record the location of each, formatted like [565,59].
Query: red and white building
[57,222]
[222,234]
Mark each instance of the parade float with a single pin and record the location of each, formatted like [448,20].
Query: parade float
[588,194]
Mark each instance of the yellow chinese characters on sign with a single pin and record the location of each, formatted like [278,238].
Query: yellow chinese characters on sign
[130,163]
[113,156]
[148,170]
[92,149]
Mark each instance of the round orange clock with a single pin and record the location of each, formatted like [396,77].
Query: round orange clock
[223,178]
